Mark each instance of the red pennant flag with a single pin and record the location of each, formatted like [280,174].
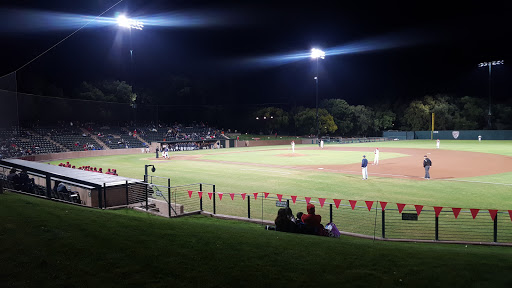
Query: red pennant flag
[510,214]
[200,194]
[279,196]
[307,199]
[294,198]
[493,213]
[266,195]
[338,201]
[232,195]
[456,212]
[255,195]
[438,210]
[220,195]
[400,207]
[210,195]
[190,193]
[383,205]
[353,203]
[369,204]
[322,201]
[243,195]
[474,212]
[418,209]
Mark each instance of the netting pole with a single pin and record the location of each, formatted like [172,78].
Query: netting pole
[201,198]
[248,206]
[437,228]
[383,223]
[214,206]
[330,213]
[169,195]
[49,187]
[496,228]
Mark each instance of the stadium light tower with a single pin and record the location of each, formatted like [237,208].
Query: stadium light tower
[490,64]
[317,54]
[123,21]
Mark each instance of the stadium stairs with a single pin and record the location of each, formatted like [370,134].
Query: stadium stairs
[95,138]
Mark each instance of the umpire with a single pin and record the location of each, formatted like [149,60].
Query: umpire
[426,164]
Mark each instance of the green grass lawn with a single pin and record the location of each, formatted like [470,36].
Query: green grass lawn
[49,244]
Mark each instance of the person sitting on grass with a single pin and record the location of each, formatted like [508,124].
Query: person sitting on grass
[312,221]
[283,222]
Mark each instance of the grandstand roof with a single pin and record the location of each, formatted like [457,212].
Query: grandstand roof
[69,174]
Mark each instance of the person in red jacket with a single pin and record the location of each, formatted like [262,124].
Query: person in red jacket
[312,220]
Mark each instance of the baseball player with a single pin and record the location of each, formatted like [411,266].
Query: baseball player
[426,164]
[322,144]
[364,167]
[293,146]
[376,158]
[437,143]
[479,138]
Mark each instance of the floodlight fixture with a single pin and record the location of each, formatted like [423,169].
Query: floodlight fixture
[123,21]
[317,53]
[490,64]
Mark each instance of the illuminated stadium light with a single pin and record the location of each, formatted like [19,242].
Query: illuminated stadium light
[123,21]
[317,53]
[490,64]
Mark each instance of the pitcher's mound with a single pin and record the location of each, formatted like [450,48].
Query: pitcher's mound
[291,155]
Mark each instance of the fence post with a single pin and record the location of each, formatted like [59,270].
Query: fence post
[214,206]
[248,206]
[437,228]
[201,199]
[127,199]
[383,223]
[288,203]
[169,196]
[330,213]
[1,186]
[146,192]
[496,228]
[100,196]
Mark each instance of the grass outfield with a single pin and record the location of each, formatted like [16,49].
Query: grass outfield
[233,178]
[49,244]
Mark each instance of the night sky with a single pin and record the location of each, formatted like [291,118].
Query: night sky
[437,48]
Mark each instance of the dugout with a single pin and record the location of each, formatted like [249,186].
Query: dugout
[95,189]
[187,145]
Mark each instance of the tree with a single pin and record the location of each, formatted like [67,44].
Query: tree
[109,91]
[416,116]
[273,119]
[341,112]
[305,122]
[362,119]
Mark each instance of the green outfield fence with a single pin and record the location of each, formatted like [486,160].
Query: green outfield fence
[450,134]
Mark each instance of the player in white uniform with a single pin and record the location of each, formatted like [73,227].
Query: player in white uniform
[376,158]
[322,144]
[479,138]
[293,146]
[437,143]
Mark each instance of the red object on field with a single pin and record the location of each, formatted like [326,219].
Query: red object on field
[322,201]
[369,204]
[418,209]
[243,195]
[474,212]
[383,205]
[232,195]
[493,213]
[200,194]
[210,195]
[337,202]
[255,195]
[307,199]
[352,203]
[266,195]
[190,193]
[456,212]
[279,197]
[438,210]
[510,214]
[220,195]
[294,198]
[400,207]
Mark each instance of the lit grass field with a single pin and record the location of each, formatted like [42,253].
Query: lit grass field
[49,244]
[235,178]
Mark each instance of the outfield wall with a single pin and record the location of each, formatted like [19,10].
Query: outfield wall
[451,134]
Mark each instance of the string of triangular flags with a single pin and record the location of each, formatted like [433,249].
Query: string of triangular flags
[337,202]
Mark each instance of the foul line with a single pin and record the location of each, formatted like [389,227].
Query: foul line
[481,182]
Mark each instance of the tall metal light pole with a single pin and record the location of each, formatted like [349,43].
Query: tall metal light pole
[490,64]
[317,54]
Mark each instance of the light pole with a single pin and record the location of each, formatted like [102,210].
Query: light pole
[490,64]
[317,54]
